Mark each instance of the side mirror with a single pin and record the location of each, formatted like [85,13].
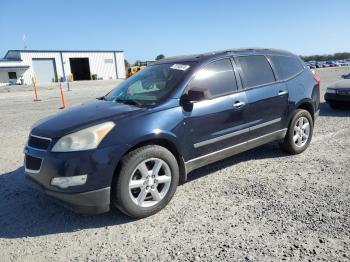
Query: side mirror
[196,95]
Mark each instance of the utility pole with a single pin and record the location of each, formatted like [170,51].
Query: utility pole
[64,73]
[24,42]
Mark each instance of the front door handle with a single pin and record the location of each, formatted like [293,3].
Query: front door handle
[281,93]
[238,104]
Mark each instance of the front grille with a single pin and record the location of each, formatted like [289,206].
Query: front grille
[39,142]
[33,163]
[343,92]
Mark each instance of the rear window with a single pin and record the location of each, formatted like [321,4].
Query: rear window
[286,66]
[255,70]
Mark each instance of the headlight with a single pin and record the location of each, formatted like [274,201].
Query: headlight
[331,91]
[85,139]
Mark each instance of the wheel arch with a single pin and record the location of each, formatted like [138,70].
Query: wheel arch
[308,106]
[163,140]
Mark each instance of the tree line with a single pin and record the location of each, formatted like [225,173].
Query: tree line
[139,62]
[336,56]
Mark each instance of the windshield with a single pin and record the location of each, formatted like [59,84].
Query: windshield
[150,85]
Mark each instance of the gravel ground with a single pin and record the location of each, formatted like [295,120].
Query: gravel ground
[261,205]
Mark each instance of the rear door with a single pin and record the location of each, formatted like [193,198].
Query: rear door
[217,123]
[267,99]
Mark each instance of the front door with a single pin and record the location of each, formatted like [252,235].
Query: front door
[214,125]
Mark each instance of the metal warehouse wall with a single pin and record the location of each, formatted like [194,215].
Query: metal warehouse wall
[4,78]
[120,64]
[101,63]
[27,59]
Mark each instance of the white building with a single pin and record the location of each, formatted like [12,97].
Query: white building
[45,66]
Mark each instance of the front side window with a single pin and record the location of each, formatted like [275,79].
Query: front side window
[217,77]
[150,85]
[286,66]
[255,70]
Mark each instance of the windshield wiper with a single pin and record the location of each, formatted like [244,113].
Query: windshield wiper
[101,98]
[128,102]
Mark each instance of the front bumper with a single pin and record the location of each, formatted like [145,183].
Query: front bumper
[91,202]
[336,98]
[99,166]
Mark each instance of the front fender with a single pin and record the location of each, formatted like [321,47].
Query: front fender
[160,135]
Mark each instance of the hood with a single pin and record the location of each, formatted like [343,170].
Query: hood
[342,84]
[82,116]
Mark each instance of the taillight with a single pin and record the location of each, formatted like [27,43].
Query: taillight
[317,79]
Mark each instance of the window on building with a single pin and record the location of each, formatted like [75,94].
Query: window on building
[256,70]
[286,66]
[217,77]
[12,75]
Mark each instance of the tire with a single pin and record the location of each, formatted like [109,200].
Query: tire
[137,169]
[290,144]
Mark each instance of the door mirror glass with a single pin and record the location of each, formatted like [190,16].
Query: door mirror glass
[196,95]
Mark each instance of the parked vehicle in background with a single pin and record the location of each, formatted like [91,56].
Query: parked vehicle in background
[346,76]
[319,65]
[310,65]
[324,64]
[331,64]
[132,147]
[339,63]
[344,63]
[338,94]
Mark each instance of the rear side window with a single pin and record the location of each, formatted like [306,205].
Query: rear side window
[218,77]
[286,66]
[255,70]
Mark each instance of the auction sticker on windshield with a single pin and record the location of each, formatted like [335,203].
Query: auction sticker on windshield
[180,67]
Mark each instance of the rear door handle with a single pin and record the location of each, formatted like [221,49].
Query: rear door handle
[281,93]
[238,104]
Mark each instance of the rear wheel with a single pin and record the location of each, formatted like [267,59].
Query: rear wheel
[147,181]
[299,133]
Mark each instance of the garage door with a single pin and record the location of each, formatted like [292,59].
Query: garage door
[44,70]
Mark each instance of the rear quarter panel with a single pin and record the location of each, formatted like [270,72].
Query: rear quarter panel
[303,89]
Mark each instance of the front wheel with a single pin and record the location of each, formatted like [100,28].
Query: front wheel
[299,133]
[147,181]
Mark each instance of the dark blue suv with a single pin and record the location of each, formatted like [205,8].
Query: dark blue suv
[132,147]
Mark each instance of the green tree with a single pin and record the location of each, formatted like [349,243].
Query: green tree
[336,56]
[126,63]
[137,62]
[161,56]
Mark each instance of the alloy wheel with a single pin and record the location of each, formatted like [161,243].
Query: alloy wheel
[301,131]
[150,182]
